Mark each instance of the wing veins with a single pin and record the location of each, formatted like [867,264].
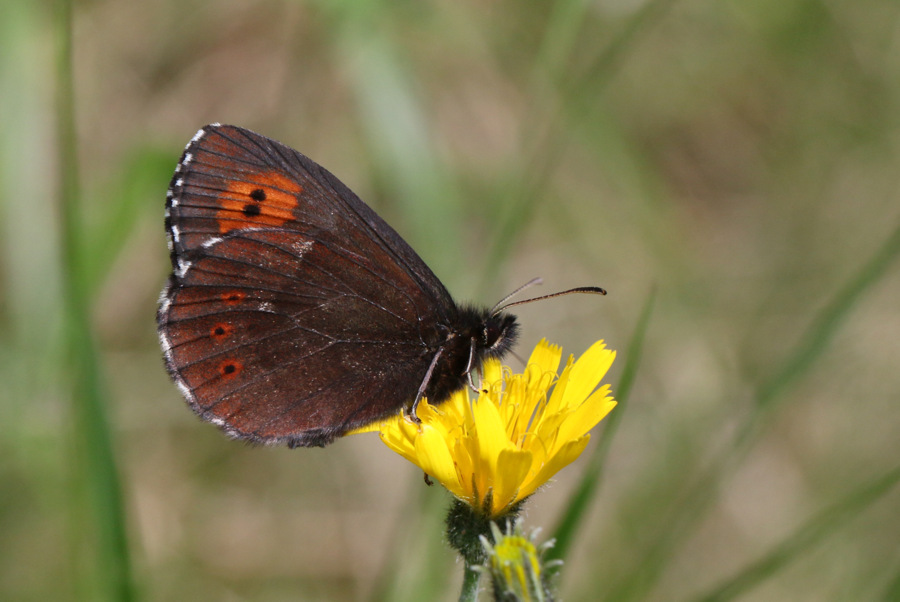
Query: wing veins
[340,251]
[281,367]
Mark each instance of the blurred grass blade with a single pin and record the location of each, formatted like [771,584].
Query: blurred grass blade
[587,84]
[698,500]
[892,591]
[816,339]
[580,501]
[399,132]
[804,538]
[98,516]
[545,145]
[821,331]
[566,21]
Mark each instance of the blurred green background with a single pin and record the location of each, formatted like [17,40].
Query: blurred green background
[740,159]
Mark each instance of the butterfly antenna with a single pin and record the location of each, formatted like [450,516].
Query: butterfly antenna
[499,305]
[592,290]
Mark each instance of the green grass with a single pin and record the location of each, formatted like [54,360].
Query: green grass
[98,543]
[738,159]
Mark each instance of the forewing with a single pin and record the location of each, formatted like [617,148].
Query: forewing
[230,179]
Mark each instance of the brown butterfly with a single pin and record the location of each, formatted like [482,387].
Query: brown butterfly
[294,313]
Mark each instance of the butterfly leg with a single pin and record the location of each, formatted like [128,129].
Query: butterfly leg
[470,365]
[425,381]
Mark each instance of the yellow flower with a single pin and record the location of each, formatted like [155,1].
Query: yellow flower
[494,451]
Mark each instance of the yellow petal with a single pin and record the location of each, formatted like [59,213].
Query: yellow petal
[474,475]
[464,451]
[513,466]
[546,357]
[395,439]
[555,403]
[375,426]
[567,454]
[492,437]
[492,373]
[587,372]
[436,460]
[587,415]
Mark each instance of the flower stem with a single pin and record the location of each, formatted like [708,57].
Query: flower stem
[469,592]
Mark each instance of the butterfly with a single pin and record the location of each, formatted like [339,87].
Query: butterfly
[294,313]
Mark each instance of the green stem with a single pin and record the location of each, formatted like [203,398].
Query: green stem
[469,591]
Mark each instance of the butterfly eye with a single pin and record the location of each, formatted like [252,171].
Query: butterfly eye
[492,334]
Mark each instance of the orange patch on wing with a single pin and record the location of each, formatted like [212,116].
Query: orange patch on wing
[264,199]
[233,297]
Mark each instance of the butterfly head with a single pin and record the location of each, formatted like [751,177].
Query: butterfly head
[499,334]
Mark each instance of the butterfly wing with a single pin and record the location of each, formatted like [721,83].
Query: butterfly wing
[294,313]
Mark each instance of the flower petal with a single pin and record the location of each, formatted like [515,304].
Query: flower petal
[512,468]
[567,454]
[491,373]
[587,372]
[545,357]
[435,458]
[492,437]
[586,416]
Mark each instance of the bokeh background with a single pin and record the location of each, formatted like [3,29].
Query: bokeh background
[729,169]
